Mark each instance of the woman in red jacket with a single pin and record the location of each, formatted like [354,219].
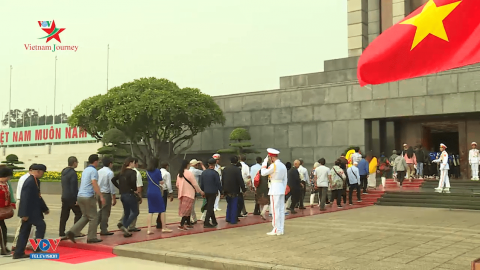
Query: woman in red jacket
[6,205]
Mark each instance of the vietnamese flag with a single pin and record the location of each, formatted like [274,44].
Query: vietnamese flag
[440,35]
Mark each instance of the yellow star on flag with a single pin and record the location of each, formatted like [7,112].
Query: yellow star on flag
[430,21]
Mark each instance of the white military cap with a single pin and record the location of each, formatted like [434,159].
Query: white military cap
[404,144]
[474,143]
[216,156]
[273,152]
[443,145]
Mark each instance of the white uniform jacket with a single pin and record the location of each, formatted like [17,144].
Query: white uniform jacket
[277,173]
[473,156]
[443,160]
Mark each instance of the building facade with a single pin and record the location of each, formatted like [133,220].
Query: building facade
[321,114]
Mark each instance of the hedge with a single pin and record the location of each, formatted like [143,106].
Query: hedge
[56,176]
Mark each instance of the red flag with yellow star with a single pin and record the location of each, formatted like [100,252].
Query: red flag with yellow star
[440,35]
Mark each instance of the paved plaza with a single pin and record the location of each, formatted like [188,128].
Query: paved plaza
[375,237]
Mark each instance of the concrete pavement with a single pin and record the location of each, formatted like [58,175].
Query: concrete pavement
[377,237]
[117,263]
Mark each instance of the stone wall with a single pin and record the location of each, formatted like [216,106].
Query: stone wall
[320,114]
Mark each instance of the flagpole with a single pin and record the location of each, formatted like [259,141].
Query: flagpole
[55,91]
[46,109]
[108,59]
[10,98]
[61,116]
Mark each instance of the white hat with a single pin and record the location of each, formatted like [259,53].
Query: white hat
[474,143]
[216,156]
[443,146]
[273,152]
[404,144]
[194,162]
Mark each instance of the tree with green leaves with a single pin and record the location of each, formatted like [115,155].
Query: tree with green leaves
[158,118]
[240,144]
[12,162]
[30,117]
[112,140]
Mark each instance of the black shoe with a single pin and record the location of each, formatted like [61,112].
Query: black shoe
[134,230]
[339,206]
[293,211]
[70,236]
[127,234]
[93,241]
[215,224]
[208,226]
[107,233]
[23,256]
[159,226]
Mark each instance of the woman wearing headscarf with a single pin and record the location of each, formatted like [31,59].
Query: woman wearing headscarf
[411,160]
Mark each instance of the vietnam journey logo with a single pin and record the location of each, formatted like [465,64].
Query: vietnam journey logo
[53,32]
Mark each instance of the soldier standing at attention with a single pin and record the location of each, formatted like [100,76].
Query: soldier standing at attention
[444,167]
[277,173]
[473,156]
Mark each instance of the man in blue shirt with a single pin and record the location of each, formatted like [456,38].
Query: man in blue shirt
[86,200]
[353,182]
[364,172]
[210,184]
[107,188]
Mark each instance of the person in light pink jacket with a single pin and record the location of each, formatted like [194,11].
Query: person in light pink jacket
[187,186]
[411,160]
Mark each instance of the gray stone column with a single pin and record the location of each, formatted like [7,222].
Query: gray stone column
[400,9]
[374,22]
[357,26]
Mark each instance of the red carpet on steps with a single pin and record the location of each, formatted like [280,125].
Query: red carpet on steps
[83,252]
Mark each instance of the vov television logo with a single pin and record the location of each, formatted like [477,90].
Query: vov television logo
[49,246]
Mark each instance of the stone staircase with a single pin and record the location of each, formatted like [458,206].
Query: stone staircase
[465,194]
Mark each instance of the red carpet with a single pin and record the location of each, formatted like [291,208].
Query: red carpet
[83,252]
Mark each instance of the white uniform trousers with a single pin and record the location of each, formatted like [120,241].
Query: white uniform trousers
[277,208]
[217,200]
[474,167]
[444,180]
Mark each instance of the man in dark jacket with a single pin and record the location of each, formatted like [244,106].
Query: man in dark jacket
[421,160]
[31,210]
[295,185]
[210,184]
[233,185]
[69,195]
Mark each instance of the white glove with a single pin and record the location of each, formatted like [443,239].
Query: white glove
[265,161]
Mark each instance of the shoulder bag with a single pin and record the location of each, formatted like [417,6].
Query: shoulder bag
[190,183]
[153,182]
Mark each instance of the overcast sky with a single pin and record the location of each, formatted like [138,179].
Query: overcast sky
[221,47]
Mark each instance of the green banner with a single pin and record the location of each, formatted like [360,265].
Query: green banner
[43,134]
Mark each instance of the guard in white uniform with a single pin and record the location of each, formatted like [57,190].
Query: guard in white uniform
[444,180]
[216,207]
[277,182]
[473,158]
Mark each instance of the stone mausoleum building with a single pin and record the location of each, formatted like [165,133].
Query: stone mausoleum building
[320,114]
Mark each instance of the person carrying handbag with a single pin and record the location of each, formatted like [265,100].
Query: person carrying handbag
[156,204]
[7,205]
[187,186]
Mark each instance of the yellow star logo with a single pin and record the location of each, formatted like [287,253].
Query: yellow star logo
[430,21]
